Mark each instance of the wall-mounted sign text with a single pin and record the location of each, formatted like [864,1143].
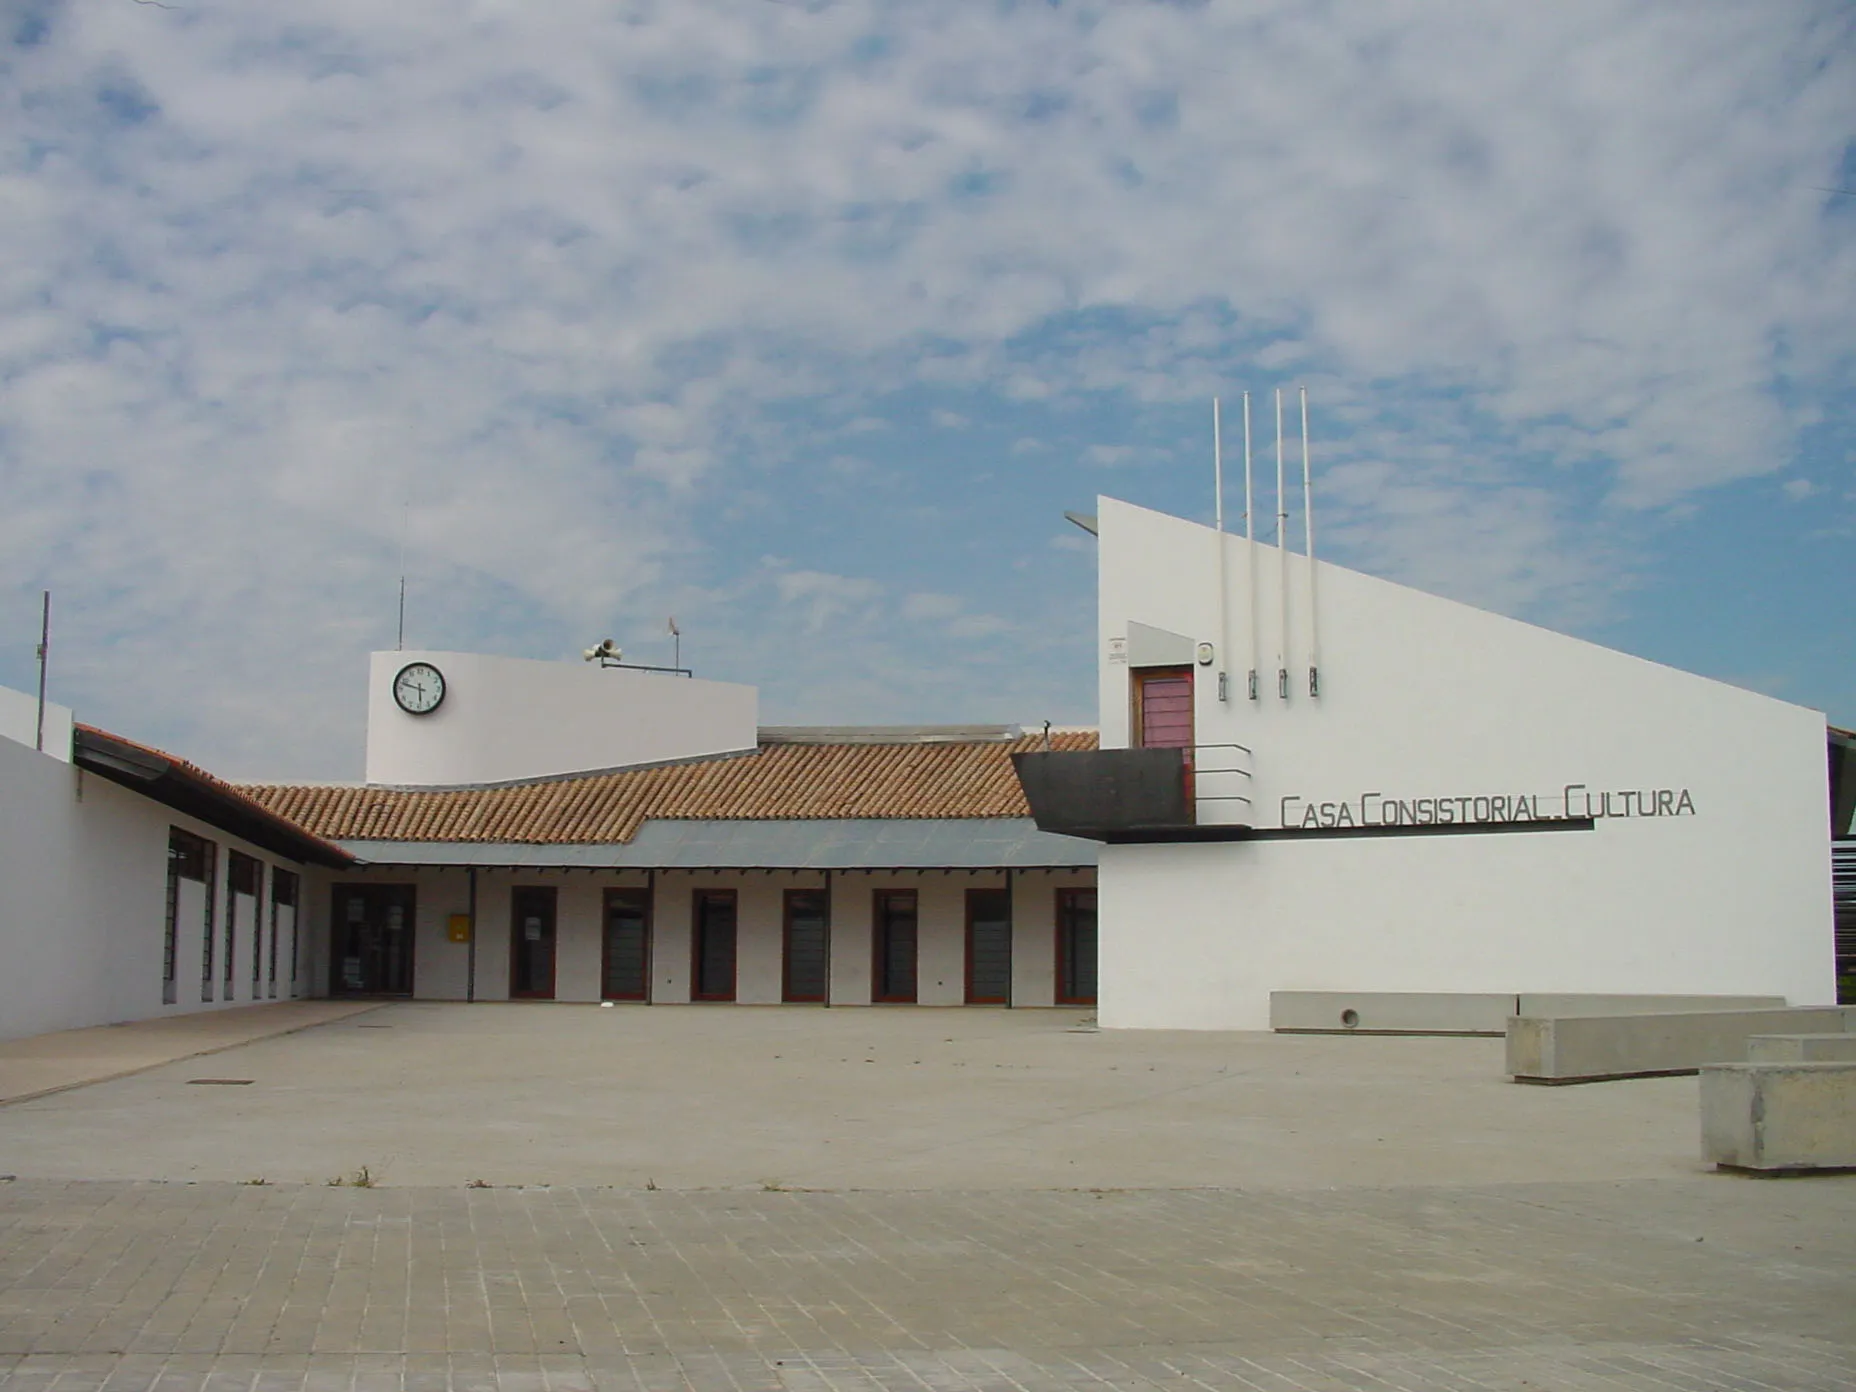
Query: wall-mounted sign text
[1575,800]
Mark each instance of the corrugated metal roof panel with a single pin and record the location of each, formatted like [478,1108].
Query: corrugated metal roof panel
[810,844]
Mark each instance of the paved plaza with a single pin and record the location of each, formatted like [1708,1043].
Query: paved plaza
[740,1200]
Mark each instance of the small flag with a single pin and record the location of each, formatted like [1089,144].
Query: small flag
[675,632]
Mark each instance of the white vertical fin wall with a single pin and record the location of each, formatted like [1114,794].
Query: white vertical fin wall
[1424,702]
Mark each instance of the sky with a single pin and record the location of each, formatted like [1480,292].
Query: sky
[804,320]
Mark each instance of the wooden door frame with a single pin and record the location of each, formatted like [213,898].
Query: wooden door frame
[879,948]
[1065,894]
[1137,715]
[1006,890]
[786,943]
[650,939]
[554,941]
[734,956]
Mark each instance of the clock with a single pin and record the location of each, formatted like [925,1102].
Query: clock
[418,688]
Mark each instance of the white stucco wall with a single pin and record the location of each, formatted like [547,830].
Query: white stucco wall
[83,886]
[507,718]
[1423,698]
[19,722]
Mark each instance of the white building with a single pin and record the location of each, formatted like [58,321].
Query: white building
[1425,797]
[1419,797]
[556,831]
[133,884]
[539,831]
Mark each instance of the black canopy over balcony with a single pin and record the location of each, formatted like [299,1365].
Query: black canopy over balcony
[1108,794]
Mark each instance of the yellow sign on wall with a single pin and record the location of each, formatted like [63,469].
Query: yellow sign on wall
[457,928]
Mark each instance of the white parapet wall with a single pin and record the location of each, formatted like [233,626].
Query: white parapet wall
[1422,819]
[503,719]
[20,722]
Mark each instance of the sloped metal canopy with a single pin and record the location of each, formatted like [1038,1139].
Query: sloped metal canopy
[978,843]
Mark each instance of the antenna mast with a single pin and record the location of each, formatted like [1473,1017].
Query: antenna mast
[1224,602]
[1308,527]
[45,647]
[405,527]
[1250,548]
[1282,557]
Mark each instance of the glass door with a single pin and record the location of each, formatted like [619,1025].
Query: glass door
[625,973]
[531,943]
[373,941]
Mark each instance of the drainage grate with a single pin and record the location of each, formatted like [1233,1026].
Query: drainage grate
[220,1082]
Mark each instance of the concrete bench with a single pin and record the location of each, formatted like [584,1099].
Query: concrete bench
[1777,1118]
[1562,1049]
[1465,1012]
[1801,1048]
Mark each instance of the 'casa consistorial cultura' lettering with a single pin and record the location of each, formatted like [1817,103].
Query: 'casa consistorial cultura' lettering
[1574,801]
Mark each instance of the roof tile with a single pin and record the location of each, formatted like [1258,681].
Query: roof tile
[781,782]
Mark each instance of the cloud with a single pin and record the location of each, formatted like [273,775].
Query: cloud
[824,598]
[1798,489]
[556,303]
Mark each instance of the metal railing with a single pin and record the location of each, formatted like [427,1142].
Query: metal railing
[1228,766]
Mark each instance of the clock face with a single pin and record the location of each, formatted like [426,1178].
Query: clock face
[419,688]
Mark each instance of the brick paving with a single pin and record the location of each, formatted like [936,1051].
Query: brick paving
[1696,1282]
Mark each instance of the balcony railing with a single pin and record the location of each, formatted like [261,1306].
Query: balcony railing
[1221,783]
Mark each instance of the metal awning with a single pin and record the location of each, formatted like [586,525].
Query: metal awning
[976,843]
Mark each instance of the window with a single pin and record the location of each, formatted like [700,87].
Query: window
[242,875]
[283,900]
[989,947]
[209,874]
[712,945]
[894,932]
[805,956]
[189,858]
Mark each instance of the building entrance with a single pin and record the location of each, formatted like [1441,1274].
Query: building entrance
[531,943]
[373,933]
[806,956]
[894,944]
[989,947]
[1076,947]
[626,962]
[712,945]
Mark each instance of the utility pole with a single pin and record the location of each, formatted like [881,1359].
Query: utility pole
[45,647]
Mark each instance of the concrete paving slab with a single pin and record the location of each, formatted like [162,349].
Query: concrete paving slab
[691,1097]
[1693,1283]
[1297,1213]
[46,1063]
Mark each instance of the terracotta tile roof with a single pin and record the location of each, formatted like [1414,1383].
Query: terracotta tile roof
[780,782]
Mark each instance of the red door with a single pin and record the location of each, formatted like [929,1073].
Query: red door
[1163,713]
